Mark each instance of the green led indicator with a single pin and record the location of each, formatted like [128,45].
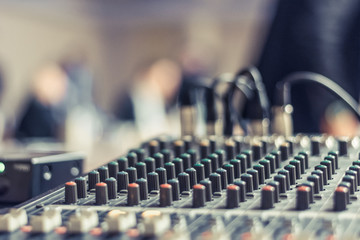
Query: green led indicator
[2,167]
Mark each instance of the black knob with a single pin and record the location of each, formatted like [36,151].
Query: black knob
[257,151]
[170,170]
[343,147]
[277,155]
[315,147]
[193,156]
[230,172]
[267,197]
[238,145]
[184,182]
[213,144]
[335,154]
[153,147]
[350,179]
[348,186]
[140,153]
[122,180]
[163,143]
[133,197]
[271,159]
[94,178]
[124,163]
[292,174]
[208,189]
[357,170]
[192,175]
[178,147]
[101,193]
[81,187]
[281,179]
[355,175]
[162,175]
[255,177]
[175,189]
[311,185]
[286,173]
[221,156]
[261,172]
[242,189]
[320,174]
[284,151]
[340,198]
[243,162]
[179,167]
[141,170]
[291,146]
[204,148]
[166,153]
[143,188]
[276,186]
[230,149]
[214,161]
[316,180]
[356,163]
[249,157]
[150,164]
[104,173]
[200,171]
[302,197]
[132,160]
[237,167]
[215,179]
[267,170]
[297,165]
[332,160]
[207,166]
[324,169]
[224,178]
[232,196]
[113,169]
[132,173]
[199,196]
[188,141]
[165,195]
[111,187]
[301,159]
[306,156]
[70,193]
[159,160]
[264,145]
[186,160]
[248,179]
[327,163]
[153,181]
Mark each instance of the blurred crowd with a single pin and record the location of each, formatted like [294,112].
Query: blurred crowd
[61,106]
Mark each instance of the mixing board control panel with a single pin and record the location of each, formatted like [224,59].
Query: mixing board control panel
[216,188]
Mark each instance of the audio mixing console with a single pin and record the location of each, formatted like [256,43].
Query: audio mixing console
[216,188]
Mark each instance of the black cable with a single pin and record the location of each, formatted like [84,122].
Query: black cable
[261,96]
[284,87]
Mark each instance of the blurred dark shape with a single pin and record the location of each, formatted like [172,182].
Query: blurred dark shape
[61,106]
[151,98]
[318,36]
[44,115]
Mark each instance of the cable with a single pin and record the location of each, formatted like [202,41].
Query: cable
[284,87]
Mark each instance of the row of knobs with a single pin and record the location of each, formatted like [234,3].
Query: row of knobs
[348,186]
[106,186]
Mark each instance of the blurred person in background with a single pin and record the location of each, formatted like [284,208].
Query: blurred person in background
[61,106]
[322,37]
[44,114]
[150,101]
